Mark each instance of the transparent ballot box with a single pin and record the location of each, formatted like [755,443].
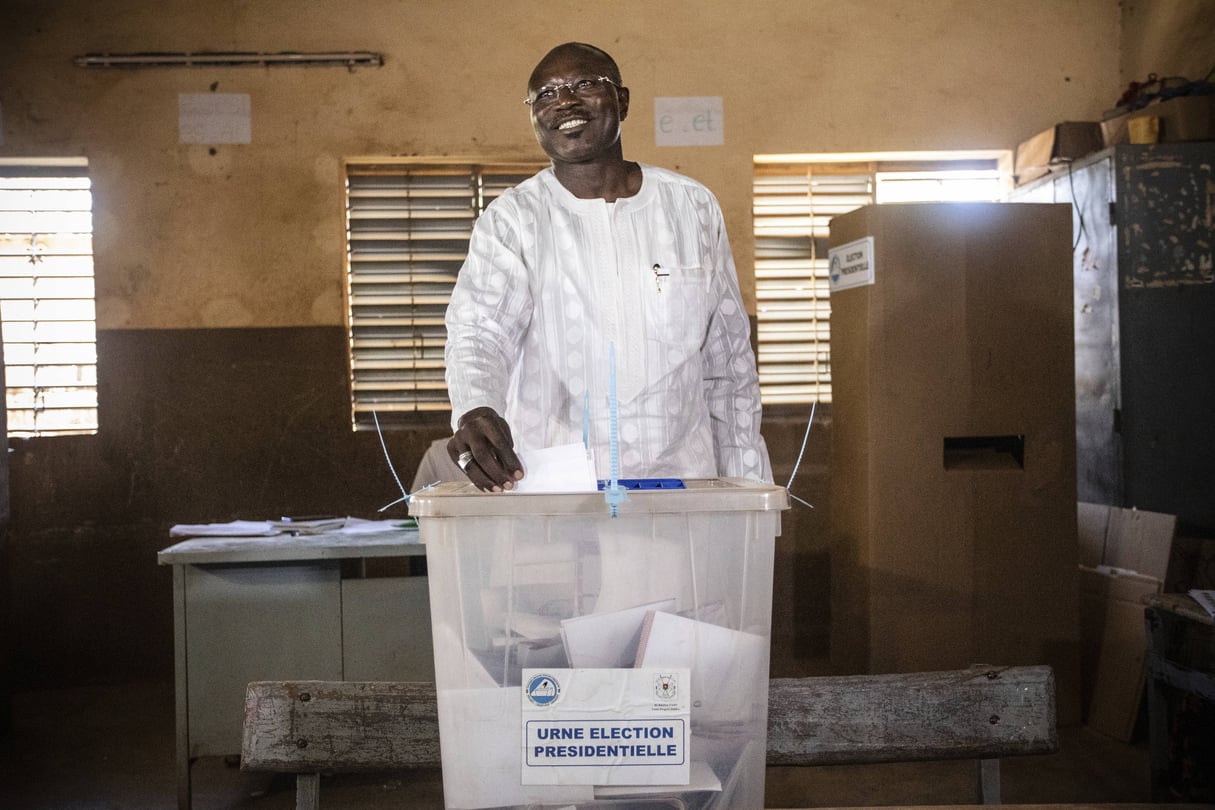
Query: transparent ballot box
[586,660]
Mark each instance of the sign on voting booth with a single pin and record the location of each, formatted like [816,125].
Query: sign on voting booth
[585,660]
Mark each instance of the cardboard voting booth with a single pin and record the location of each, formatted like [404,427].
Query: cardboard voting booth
[953,460]
[585,660]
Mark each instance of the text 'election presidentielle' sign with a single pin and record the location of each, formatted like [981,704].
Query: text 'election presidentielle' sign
[851,265]
[606,726]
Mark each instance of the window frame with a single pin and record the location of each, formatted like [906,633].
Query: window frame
[403,247]
[794,197]
[48,316]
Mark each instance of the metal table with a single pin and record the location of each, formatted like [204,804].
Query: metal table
[327,606]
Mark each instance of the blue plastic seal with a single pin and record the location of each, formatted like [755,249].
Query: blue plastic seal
[647,483]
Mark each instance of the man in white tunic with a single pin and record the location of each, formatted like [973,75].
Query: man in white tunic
[593,257]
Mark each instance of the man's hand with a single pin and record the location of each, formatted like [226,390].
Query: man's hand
[483,448]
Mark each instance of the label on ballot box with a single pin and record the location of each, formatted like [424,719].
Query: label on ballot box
[606,726]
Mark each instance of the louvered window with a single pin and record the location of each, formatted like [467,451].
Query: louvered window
[47,303]
[407,232]
[793,204]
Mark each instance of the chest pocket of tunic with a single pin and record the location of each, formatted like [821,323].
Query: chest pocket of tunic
[676,305]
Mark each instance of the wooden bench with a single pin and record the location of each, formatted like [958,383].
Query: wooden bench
[981,713]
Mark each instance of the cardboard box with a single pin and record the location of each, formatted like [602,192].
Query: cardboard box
[953,447]
[1092,524]
[1185,118]
[1113,649]
[1057,146]
[1124,556]
[1126,539]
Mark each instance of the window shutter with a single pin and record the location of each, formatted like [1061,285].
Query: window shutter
[793,211]
[407,231]
[47,299]
[794,203]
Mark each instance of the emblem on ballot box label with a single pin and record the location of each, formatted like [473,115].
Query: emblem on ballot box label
[542,689]
[609,727]
[851,265]
[666,686]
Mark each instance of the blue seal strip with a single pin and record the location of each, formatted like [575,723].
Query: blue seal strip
[646,483]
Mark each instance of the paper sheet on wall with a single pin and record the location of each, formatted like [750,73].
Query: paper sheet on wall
[214,118]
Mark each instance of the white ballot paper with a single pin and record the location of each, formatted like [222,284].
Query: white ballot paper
[726,663]
[605,640]
[606,726]
[563,468]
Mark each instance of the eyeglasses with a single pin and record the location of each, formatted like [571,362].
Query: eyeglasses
[586,87]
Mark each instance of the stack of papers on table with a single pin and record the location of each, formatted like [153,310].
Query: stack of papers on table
[235,528]
[293,528]
[1205,599]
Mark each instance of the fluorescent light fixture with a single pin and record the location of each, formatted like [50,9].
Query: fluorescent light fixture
[229,59]
[867,157]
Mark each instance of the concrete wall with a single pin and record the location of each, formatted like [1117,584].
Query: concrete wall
[1169,38]
[219,269]
[190,236]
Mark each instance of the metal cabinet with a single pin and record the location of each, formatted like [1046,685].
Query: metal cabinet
[1181,698]
[1144,232]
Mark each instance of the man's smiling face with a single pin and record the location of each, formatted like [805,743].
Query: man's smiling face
[577,126]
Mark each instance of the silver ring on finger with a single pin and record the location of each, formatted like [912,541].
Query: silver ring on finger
[464,460]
